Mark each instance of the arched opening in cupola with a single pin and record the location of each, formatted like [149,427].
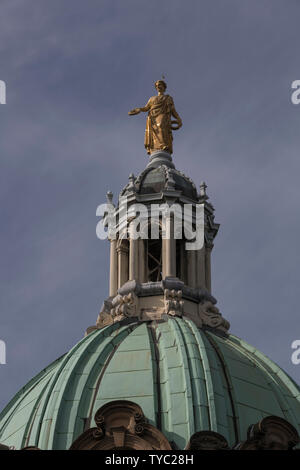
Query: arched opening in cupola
[154,257]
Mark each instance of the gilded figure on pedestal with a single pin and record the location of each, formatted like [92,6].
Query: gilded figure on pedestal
[159,126]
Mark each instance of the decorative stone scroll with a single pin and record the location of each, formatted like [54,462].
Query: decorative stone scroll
[120,307]
[124,306]
[210,316]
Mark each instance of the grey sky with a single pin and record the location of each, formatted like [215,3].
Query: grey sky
[73,69]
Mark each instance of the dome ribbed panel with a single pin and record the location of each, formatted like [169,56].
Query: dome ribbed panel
[51,410]
[129,375]
[255,386]
[220,409]
[284,389]
[17,417]
[70,400]
[177,416]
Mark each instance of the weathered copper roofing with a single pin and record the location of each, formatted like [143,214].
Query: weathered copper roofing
[185,379]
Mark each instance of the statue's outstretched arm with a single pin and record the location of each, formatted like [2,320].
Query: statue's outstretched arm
[139,110]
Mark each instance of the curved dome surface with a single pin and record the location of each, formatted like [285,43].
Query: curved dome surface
[185,379]
[155,179]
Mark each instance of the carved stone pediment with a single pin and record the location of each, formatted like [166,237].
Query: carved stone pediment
[121,425]
[207,440]
[271,433]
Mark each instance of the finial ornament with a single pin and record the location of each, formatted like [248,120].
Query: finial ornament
[203,187]
[159,126]
[131,179]
[109,197]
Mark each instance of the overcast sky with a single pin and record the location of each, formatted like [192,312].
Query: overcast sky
[73,70]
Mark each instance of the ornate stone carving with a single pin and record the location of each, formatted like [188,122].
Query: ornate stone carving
[210,316]
[207,440]
[271,433]
[104,318]
[173,302]
[124,306]
[129,303]
[121,306]
[121,425]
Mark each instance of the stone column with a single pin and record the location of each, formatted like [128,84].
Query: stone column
[200,269]
[169,248]
[208,267]
[113,272]
[181,270]
[122,263]
[142,261]
[133,256]
[191,268]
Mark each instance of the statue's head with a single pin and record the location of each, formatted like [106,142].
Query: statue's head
[160,85]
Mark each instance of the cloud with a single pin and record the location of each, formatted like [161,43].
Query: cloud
[73,70]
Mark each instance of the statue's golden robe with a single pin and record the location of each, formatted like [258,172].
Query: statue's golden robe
[158,134]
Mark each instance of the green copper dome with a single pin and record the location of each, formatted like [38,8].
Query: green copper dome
[185,380]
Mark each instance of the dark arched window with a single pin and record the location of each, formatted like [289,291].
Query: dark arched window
[154,258]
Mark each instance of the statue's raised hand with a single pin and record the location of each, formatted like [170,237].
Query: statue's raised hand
[134,111]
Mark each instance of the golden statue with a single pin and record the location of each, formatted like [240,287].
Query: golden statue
[158,134]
